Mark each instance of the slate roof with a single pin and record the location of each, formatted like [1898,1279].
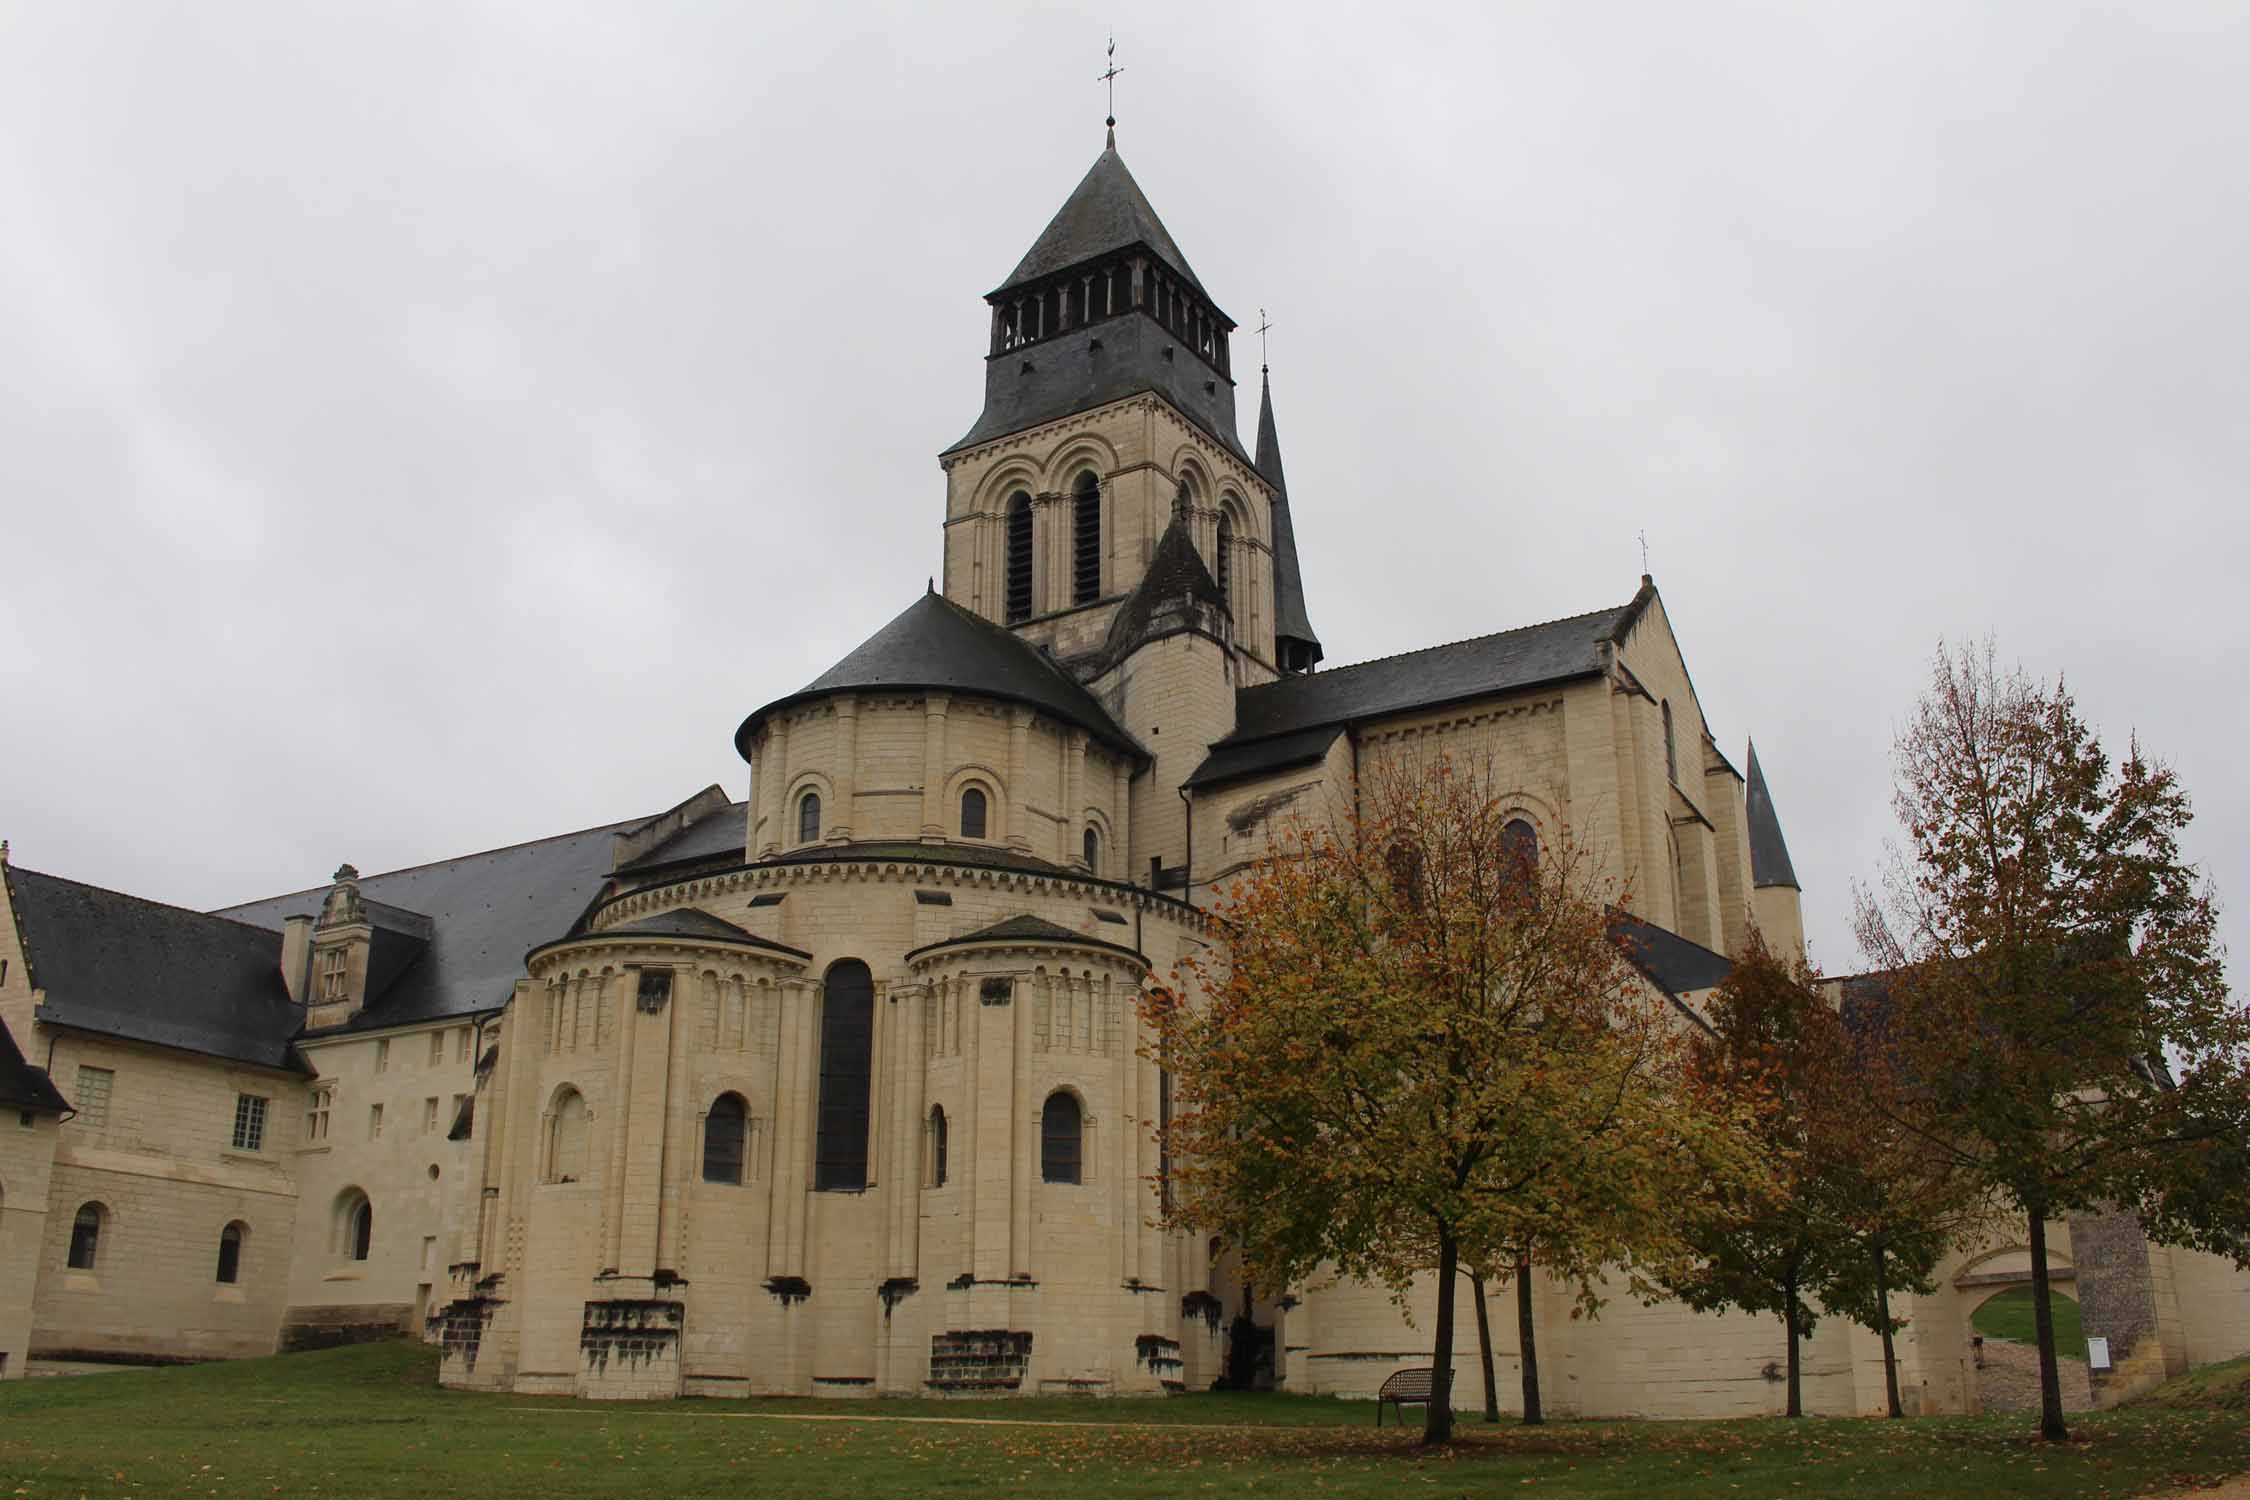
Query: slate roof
[1290,620]
[913,851]
[935,643]
[1769,852]
[1554,652]
[1678,965]
[719,833]
[1025,928]
[140,970]
[688,922]
[1277,753]
[1175,575]
[22,1086]
[486,911]
[1106,212]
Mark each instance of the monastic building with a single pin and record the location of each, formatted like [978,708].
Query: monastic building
[839,1090]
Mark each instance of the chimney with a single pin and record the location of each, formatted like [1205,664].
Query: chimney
[296,955]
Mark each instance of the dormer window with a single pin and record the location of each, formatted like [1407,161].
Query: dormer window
[332,976]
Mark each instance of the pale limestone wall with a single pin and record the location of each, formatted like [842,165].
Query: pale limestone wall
[27,1150]
[1176,696]
[779,1288]
[1778,911]
[416,1213]
[2213,1298]
[163,1168]
[1142,449]
[892,767]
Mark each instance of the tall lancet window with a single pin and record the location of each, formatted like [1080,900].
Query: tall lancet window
[1671,751]
[1019,557]
[1225,560]
[1086,540]
[847,1038]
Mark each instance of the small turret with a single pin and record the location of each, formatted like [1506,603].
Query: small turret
[1296,648]
[1776,901]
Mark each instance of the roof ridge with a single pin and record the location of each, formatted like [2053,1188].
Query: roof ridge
[1467,640]
[87,885]
[428,864]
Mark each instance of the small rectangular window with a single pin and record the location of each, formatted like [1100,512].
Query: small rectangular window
[429,1251]
[461,1045]
[332,976]
[383,1055]
[429,1115]
[93,1095]
[249,1122]
[437,1048]
[316,1114]
[374,1121]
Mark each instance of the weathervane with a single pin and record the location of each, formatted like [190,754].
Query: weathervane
[1110,78]
[1264,324]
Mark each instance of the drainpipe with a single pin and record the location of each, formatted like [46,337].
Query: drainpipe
[1187,871]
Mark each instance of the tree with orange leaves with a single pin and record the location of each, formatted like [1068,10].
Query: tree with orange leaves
[1420,1048]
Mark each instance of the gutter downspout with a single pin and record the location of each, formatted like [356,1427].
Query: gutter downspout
[1187,871]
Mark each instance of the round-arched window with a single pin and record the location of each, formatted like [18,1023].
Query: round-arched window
[937,1145]
[355,1225]
[1093,850]
[1018,573]
[86,1236]
[566,1141]
[725,1131]
[808,818]
[1062,1138]
[972,813]
[230,1252]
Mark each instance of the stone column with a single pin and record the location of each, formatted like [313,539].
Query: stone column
[614,992]
[993,1105]
[647,1040]
[847,763]
[933,768]
[1018,796]
[1029,992]
[1074,802]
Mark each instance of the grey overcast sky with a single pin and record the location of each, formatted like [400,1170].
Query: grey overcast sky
[425,427]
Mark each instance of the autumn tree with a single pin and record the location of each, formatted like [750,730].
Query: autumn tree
[1767,1245]
[1416,1022]
[2052,977]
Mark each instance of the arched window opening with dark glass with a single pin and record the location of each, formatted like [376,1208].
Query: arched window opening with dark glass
[972,813]
[1671,755]
[1519,843]
[230,1253]
[359,1225]
[1093,849]
[1018,572]
[1062,1133]
[1086,540]
[937,1146]
[847,1034]
[86,1236]
[566,1144]
[1225,558]
[725,1130]
[808,818]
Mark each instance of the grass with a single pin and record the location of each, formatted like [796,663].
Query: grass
[2008,1316]
[371,1421]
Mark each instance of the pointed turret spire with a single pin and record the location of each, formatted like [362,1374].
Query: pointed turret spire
[1769,852]
[1294,642]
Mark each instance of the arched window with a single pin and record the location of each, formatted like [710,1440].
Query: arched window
[566,1144]
[808,818]
[725,1130]
[1018,572]
[1519,843]
[1671,755]
[937,1146]
[1062,1131]
[355,1224]
[847,1034]
[86,1236]
[1225,560]
[1086,540]
[972,813]
[1093,850]
[230,1253]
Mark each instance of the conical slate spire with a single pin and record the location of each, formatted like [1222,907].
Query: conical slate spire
[1294,641]
[1177,592]
[1769,852]
[1106,212]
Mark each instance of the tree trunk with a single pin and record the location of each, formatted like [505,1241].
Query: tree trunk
[1883,1324]
[1484,1350]
[2043,1318]
[1437,1427]
[1533,1413]
[1789,1321]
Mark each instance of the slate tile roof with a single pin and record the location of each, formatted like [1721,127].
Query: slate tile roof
[140,970]
[22,1086]
[1769,851]
[1024,928]
[1106,212]
[716,834]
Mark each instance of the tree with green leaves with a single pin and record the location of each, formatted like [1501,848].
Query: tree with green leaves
[1417,1024]
[2053,984]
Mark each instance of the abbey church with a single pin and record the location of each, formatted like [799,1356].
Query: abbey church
[839,1091]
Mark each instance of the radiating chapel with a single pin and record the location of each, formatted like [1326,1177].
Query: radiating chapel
[839,1090]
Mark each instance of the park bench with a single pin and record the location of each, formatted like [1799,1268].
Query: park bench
[1405,1388]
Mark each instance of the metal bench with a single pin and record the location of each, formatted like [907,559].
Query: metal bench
[1405,1388]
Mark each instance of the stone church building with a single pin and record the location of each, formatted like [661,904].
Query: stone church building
[838,1091]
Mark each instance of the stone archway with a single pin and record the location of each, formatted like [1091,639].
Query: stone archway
[2006,1370]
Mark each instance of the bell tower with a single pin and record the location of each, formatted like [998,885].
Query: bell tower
[1108,420]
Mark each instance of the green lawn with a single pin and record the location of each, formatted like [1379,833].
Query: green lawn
[2008,1316]
[372,1421]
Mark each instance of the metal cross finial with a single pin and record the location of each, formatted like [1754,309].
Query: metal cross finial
[1110,78]
[1644,554]
[1265,325]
